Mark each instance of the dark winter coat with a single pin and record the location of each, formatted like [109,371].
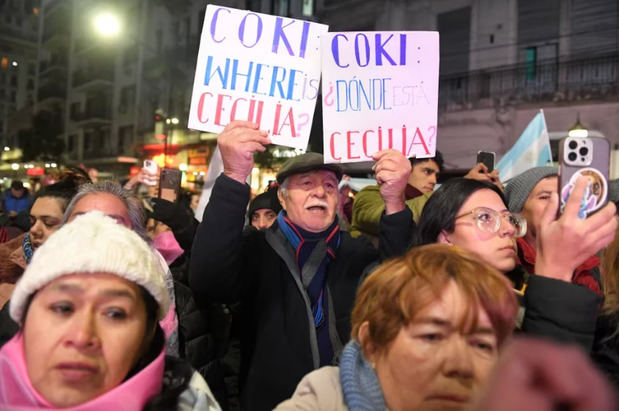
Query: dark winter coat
[279,342]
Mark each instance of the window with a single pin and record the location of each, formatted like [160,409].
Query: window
[74,111]
[127,99]
[308,7]
[159,39]
[125,136]
[71,143]
[281,7]
[530,61]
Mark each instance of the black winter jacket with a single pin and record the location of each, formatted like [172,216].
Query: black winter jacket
[279,337]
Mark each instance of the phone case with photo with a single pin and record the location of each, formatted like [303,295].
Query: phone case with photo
[589,157]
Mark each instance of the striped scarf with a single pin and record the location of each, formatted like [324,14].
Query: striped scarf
[304,243]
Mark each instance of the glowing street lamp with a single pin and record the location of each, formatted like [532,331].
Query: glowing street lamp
[107,24]
[578,130]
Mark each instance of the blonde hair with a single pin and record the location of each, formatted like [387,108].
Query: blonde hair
[393,294]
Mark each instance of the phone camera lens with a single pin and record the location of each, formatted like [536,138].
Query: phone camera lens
[583,151]
[573,144]
[572,156]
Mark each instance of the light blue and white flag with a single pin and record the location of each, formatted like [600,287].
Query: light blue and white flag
[532,149]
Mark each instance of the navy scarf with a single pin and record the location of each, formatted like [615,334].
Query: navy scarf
[304,242]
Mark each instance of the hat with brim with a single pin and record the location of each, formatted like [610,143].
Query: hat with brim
[304,163]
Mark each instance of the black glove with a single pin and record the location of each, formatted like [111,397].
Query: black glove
[179,218]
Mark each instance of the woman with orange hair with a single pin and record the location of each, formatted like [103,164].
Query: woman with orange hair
[426,330]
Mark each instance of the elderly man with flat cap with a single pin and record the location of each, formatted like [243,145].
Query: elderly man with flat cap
[297,279]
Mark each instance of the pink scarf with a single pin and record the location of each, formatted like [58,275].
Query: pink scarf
[16,392]
[167,245]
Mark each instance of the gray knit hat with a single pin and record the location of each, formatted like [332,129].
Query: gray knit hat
[92,243]
[518,188]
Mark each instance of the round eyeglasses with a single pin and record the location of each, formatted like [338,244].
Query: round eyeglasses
[489,220]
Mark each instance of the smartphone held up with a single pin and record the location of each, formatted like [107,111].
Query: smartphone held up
[588,157]
[486,158]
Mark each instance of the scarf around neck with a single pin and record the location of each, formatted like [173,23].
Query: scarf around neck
[304,242]
[27,250]
[17,392]
[582,274]
[359,381]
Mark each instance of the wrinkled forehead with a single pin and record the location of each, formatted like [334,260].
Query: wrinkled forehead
[452,307]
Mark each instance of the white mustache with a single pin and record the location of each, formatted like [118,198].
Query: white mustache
[318,203]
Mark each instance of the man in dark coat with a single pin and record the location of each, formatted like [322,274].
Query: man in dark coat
[297,279]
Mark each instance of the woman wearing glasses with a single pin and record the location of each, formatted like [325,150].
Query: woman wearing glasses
[474,215]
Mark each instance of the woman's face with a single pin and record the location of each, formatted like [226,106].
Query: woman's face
[82,335]
[436,362]
[495,249]
[45,218]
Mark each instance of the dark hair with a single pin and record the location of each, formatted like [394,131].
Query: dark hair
[63,190]
[438,159]
[439,212]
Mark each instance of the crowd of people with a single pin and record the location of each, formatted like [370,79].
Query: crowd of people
[471,295]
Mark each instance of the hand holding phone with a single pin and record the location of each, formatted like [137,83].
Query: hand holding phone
[486,158]
[169,184]
[587,157]
[566,242]
[148,174]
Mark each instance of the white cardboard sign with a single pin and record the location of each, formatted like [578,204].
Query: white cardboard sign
[379,91]
[257,67]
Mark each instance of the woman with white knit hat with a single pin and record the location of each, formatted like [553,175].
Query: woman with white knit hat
[88,307]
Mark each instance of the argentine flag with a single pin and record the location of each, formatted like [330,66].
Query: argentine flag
[532,149]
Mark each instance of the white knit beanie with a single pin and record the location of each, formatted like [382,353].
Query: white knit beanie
[92,243]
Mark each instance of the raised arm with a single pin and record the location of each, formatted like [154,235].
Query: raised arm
[396,224]
[555,307]
[216,266]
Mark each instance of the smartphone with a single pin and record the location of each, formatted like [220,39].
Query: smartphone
[152,168]
[486,157]
[169,184]
[589,157]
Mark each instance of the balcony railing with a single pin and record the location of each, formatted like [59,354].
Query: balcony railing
[53,90]
[54,62]
[95,113]
[592,78]
[82,77]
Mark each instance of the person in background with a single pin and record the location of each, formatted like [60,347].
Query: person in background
[263,210]
[87,307]
[605,351]
[528,194]
[46,215]
[295,280]
[16,199]
[474,215]
[126,208]
[368,205]
[427,328]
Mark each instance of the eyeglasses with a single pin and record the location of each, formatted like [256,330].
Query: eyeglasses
[489,220]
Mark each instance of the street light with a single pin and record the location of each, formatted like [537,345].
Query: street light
[578,130]
[106,24]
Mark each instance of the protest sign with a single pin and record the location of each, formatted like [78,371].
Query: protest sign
[379,91]
[260,68]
